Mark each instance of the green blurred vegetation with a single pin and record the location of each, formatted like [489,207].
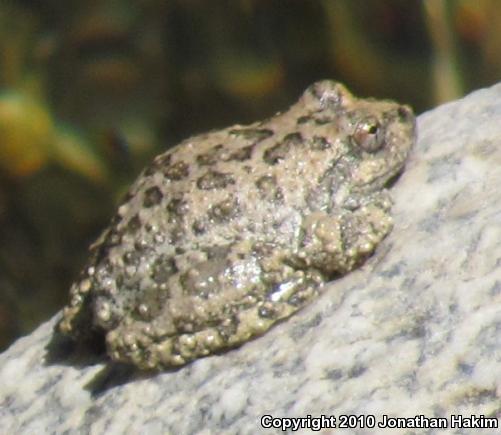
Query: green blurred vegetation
[90,91]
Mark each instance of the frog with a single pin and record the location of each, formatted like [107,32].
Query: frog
[230,232]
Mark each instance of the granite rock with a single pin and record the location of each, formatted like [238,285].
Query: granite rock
[415,331]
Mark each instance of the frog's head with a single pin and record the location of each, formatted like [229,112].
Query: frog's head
[378,135]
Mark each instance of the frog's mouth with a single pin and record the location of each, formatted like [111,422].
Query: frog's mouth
[391,175]
[380,181]
[393,178]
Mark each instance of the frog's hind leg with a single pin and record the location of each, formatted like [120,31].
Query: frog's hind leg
[275,290]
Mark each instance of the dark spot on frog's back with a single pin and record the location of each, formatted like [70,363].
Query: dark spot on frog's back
[279,151]
[269,189]
[131,258]
[316,119]
[215,180]
[304,119]
[210,157]
[163,267]
[177,171]
[199,226]
[254,135]
[319,143]
[160,161]
[224,210]
[219,153]
[152,196]
[322,120]
[178,207]
[242,154]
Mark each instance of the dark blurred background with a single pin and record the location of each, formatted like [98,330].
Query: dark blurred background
[91,90]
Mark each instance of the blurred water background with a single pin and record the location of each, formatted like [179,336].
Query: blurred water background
[91,90]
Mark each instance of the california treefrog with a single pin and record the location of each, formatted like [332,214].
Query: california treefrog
[231,231]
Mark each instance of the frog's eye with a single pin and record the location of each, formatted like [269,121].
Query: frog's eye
[369,135]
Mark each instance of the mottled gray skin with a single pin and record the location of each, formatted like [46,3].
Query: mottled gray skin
[230,231]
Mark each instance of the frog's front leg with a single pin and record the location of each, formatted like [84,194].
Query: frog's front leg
[337,241]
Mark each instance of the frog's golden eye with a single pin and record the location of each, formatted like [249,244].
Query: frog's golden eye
[369,135]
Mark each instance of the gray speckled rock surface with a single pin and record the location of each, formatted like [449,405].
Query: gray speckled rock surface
[417,330]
